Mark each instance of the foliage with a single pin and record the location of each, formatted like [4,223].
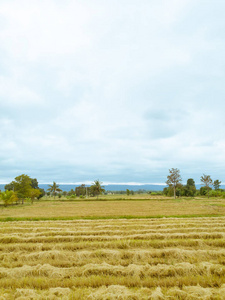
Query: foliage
[189,190]
[96,188]
[8,197]
[54,188]
[34,193]
[190,182]
[173,179]
[168,191]
[216,184]
[22,186]
[25,187]
[42,193]
[70,193]
[207,181]
[81,190]
[34,183]
[216,193]
[156,193]
[204,190]
[10,186]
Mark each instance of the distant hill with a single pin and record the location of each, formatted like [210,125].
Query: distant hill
[110,187]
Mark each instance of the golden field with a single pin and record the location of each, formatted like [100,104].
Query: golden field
[109,207]
[142,258]
[113,259]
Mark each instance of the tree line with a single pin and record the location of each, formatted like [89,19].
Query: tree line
[24,188]
[176,188]
[81,191]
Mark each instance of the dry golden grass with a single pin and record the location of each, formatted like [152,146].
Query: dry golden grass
[151,207]
[170,258]
[167,258]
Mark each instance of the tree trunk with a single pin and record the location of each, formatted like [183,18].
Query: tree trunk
[174,189]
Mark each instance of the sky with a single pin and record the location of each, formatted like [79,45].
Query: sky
[120,91]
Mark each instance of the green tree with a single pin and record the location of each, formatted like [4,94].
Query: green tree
[81,190]
[34,193]
[22,186]
[204,190]
[174,179]
[206,181]
[8,197]
[190,182]
[216,184]
[190,188]
[10,186]
[128,192]
[96,188]
[42,193]
[54,188]
[34,183]
[179,190]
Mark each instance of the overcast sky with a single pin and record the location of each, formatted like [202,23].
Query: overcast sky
[119,90]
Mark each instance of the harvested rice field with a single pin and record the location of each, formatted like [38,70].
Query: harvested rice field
[168,258]
[116,208]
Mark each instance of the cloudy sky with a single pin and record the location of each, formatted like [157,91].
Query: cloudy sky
[119,90]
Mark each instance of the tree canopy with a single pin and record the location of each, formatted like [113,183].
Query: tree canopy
[174,179]
[190,188]
[8,197]
[216,184]
[81,190]
[206,181]
[54,188]
[25,187]
[96,188]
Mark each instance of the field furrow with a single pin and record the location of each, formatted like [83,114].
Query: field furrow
[97,259]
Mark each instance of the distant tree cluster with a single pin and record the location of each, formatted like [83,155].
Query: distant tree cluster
[94,190]
[21,189]
[176,188]
[25,188]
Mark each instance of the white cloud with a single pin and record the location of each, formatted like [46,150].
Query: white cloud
[115,89]
[17,93]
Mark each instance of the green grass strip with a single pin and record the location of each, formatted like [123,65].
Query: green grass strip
[12,219]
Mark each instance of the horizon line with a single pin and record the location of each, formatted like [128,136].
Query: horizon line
[104,183]
[108,183]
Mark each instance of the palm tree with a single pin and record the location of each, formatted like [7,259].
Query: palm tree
[54,188]
[98,188]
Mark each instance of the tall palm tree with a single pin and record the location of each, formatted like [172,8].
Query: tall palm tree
[98,188]
[54,188]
